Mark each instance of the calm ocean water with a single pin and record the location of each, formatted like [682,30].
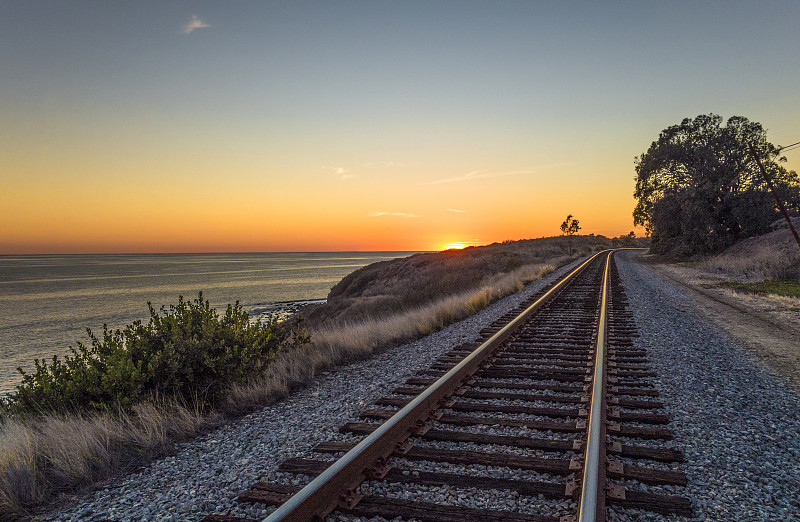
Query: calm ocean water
[48,301]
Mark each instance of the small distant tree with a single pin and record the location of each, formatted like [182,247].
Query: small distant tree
[569,228]
[624,240]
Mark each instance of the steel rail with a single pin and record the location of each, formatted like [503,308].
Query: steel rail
[322,495]
[592,502]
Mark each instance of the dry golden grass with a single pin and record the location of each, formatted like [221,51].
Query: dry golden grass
[332,345]
[42,456]
[393,287]
[366,336]
[771,256]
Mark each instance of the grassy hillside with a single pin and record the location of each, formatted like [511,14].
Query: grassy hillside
[372,309]
[771,256]
[394,287]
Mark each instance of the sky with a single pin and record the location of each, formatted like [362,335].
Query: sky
[250,126]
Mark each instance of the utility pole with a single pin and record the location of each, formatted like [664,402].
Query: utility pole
[772,189]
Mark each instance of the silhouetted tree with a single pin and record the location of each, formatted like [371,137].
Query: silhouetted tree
[569,228]
[699,188]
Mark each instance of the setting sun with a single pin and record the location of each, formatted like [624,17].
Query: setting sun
[324,145]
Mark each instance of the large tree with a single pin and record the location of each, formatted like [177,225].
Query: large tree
[699,188]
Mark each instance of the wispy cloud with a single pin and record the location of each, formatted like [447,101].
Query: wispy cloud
[398,214]
[480,174]
[456,210]
[194,23]
[342,172]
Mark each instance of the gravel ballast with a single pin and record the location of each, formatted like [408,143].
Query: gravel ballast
[207,474]
[737,424]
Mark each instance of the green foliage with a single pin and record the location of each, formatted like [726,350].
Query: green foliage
[786,287]
[629,240]
[187,351]
[699,189]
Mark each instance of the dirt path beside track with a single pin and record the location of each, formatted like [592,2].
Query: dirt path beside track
[767,325]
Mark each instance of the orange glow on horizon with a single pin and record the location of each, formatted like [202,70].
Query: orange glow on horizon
[291,207]
[322,144]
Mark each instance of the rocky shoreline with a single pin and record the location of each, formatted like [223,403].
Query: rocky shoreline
[281,309]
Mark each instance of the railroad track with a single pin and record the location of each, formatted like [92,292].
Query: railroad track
[554,391]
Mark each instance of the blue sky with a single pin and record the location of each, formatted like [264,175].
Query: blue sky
[357,109]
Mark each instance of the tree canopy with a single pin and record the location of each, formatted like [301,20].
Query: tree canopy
[570,226]
[699,189]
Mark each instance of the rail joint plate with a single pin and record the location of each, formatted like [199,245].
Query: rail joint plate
[615,491]
[350,499]
[378,470]
[572,489]
[615,467]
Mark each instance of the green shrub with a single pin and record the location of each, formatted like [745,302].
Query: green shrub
[187,351]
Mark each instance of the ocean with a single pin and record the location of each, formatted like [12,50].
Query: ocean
[48,301]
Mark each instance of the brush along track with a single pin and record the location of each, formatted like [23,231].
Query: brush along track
[508,413]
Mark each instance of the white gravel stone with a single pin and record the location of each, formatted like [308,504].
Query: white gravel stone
[737,423]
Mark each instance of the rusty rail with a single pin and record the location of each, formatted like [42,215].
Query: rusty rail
[592,502]
[336,485]
[574,340]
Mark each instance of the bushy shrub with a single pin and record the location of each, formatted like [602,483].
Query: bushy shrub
[187,351]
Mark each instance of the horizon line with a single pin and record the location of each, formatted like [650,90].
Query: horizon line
[208,252]
[56,253]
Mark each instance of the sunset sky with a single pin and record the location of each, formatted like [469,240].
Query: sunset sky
[320,126]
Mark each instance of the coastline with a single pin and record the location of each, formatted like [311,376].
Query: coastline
[281,310]
[154,427]
[206,474]
[49,300]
